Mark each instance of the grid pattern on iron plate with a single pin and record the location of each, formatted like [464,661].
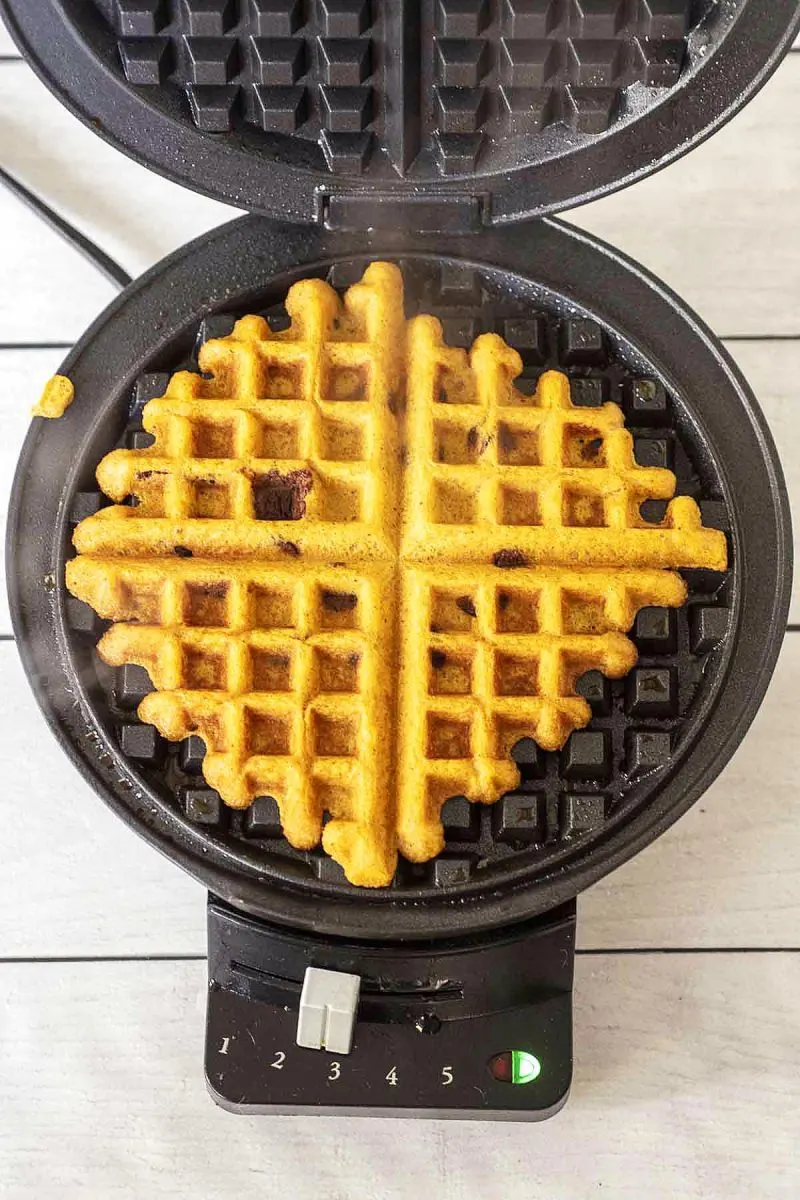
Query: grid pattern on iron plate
[636,723]
[451,85]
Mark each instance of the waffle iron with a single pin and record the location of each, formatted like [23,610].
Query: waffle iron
[441,135]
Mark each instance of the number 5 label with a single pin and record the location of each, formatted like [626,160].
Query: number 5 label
[447,1076]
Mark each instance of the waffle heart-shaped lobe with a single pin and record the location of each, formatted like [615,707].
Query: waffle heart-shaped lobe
[362,565]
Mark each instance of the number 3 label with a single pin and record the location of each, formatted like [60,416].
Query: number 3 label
[335,1071]
[447,1076]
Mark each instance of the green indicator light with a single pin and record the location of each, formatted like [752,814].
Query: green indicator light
[525,1067]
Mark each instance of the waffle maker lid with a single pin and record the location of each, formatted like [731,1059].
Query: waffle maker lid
[443,115]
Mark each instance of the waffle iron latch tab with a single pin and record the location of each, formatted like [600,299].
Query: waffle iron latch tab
[366,212]
[328,1004]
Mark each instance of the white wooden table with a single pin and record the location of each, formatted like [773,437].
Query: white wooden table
[688,981]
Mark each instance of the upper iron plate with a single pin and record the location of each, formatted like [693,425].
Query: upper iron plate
[506,109]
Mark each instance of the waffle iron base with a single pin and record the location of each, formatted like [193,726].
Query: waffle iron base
[564,300]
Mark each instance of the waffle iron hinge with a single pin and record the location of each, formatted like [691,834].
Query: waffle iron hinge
[416,214]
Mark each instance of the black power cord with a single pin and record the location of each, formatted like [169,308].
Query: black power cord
[112,270]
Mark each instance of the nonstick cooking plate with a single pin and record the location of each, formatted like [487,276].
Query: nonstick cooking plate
[656,739]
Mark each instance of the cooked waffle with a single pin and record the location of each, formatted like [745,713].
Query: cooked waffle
[362,566]
[258,563]
[549,494]
[280,670]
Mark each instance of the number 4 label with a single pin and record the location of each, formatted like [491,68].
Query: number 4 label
[392,1076]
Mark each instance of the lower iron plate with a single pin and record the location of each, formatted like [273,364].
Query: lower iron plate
[562,301]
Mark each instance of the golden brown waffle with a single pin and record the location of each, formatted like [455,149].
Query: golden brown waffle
[363,565]
[534,506]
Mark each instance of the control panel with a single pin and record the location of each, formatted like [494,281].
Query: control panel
[512,1064]
[424,1043]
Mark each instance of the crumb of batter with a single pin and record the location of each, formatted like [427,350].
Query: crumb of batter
[55,399]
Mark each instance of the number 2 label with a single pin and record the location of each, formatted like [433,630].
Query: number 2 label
[278,1060]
